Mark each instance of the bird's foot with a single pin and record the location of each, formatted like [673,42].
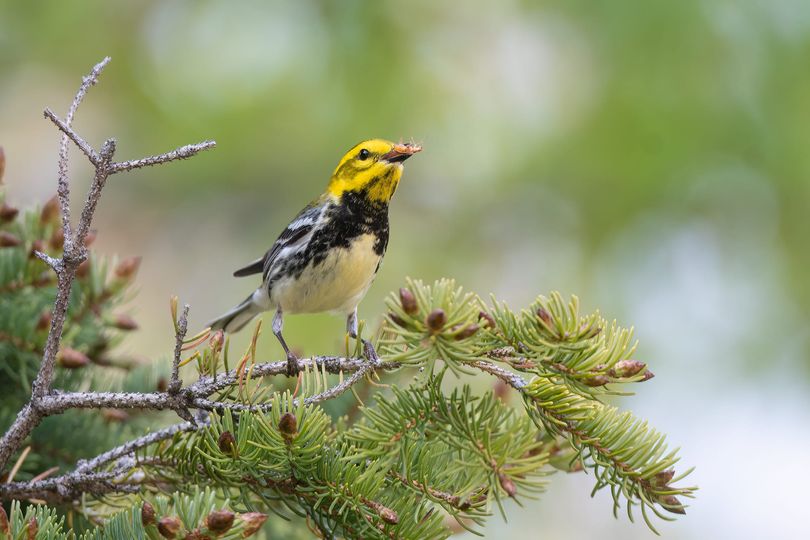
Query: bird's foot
[370,352]
[292,365]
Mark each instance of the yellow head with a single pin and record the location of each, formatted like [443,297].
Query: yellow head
[373,166]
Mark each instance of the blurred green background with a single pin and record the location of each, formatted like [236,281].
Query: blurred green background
[651,157]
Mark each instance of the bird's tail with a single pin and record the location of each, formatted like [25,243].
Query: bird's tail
[235,319]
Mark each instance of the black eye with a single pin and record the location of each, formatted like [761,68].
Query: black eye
[363,155]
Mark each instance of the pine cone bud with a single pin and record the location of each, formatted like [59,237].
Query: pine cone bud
[33,528]
[83,270]
[663,478]
[162,384]
[127,268]
[507,484]
[8,213]
[50,211]
[90,238]
[467,331]
[8,240]
[169,526]
[44,321]
[596,380]
[388,515]
[487,317]
[125,322]
[253,522]
[4,527]
[147,514]
[227,443]
[57,239]
[626,368]
[672,504]
[647,376]
[408,301]
[117,416]
[36,245]
[436,320]
[71,358]
[288,426]
[545,316]
[220,521]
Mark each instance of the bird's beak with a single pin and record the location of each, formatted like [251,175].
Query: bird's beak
[401,152]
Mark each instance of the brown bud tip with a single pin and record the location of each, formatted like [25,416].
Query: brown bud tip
[501,389]
[219,521]
[663,478]
[288,425]
[33,528]
[436,320]
[626,368]
[672,504]
[125,322]
[57,239]
[71,358]
[490,320]
[50,211]
[253,522]
[83,269]
[467,332]
[8,240]
[169,526]
[597,380]
[507,484]
[115,415]
[397,320]
[162,384]
[127,268]
[227,442]
[8,213]
[147,514]
[408,301]
[2,164]
[647,376]
[36,245]
[545,316]
[4,527]
[44,321]
[90,238]
[388,515]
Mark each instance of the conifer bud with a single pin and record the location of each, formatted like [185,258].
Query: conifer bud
[83,270]
[8,240]
[36,245]
[127,267]
[227,443]
[125,322]
[253,522]
[647,376]
[33,528]
[169,526]
[596,380]
[220,521]
[436,319]
[90,238]
[408,301]
[44,321]
[71,358]
[388,515]
[50,211]
[57,239]
[4,527]
[626,368]
[467,331]
[162,384]
[147,514]
[672,504]
[507,484]
[487,317]
[663,478]
[8,213]
[288,426]
[545,316]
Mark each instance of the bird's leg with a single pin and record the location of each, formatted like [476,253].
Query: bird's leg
[368,348]
[292,361]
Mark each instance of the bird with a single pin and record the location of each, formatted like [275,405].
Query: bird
[326,259]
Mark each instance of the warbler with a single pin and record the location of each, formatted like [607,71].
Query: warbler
[327,257]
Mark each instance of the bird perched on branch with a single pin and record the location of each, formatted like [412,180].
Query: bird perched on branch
[327,257]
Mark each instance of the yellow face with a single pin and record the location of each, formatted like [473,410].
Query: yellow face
[373,166]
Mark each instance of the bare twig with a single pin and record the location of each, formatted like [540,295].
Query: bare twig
[182,327]
[74,252]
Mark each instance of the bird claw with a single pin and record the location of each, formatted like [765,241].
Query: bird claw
[292,365]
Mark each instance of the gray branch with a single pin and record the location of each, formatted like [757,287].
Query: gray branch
[74,251]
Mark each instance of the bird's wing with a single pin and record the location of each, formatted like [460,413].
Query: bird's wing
[296,232]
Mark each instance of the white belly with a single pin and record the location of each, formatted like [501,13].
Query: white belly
[337,284]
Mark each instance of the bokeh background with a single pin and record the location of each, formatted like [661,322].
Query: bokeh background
[651,157]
